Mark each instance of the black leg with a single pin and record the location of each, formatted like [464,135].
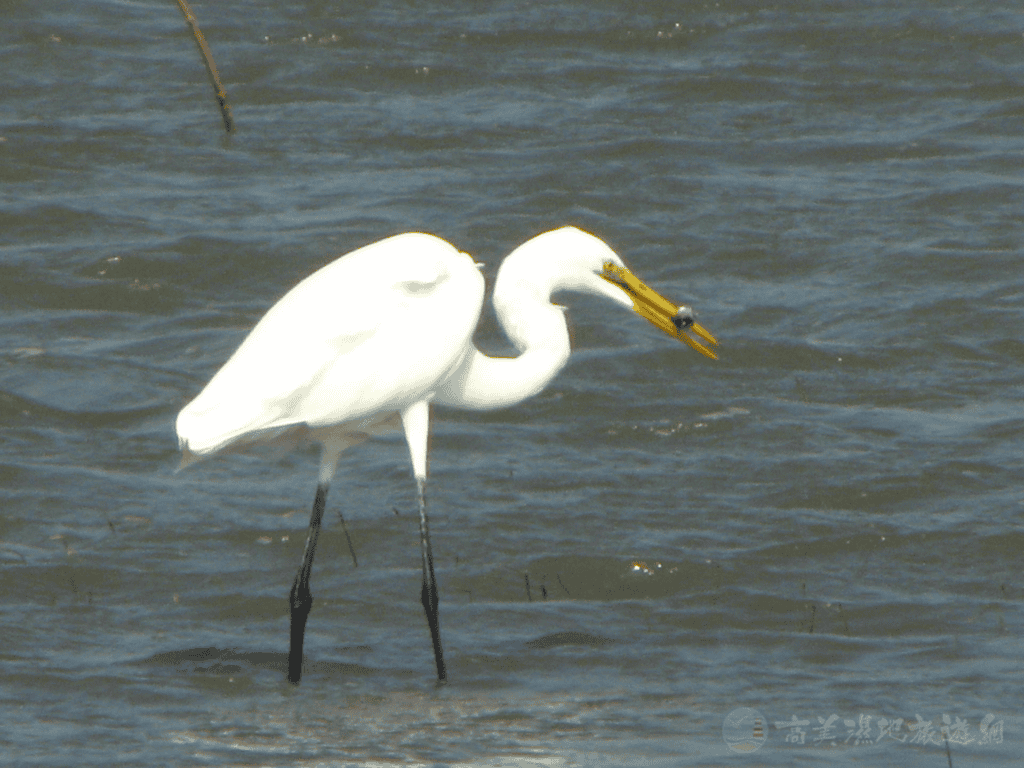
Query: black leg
[428,596]
[301,599]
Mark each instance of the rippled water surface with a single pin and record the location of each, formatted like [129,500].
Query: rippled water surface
[825,522]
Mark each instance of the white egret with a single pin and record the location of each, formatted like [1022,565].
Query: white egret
[380,334]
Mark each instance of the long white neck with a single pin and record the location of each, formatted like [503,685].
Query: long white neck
[484,383]
[522,302]
[563,259]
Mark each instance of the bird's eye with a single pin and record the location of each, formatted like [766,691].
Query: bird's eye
[683,318]
[613,273]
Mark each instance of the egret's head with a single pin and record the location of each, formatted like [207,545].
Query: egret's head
[569,259]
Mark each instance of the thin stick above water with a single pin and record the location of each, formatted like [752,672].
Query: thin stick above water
[211,68]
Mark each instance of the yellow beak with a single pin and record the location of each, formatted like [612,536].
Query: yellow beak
[659,311]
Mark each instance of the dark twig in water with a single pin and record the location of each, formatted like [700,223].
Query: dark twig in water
[526,578]
[949,755]
[814,610]
[211,68]
[559,577]
[351,549]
